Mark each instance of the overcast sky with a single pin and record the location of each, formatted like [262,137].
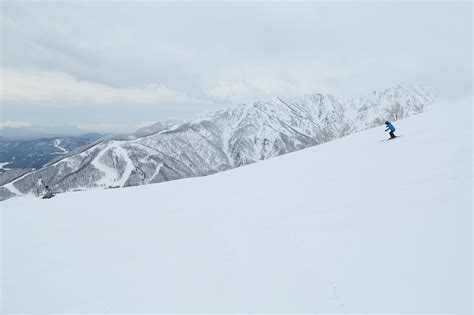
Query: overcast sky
[115,66]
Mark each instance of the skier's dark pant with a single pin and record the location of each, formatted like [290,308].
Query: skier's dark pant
[392,135]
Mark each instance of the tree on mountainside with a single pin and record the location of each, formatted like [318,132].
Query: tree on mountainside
[395,112]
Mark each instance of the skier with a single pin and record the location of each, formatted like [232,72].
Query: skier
[391,128]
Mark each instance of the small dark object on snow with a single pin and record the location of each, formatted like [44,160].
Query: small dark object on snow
[48,195]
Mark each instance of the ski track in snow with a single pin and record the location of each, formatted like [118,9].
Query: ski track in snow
[111,176]
[57,143]
[2,166]
[157,170]
[13,189]
[129,168]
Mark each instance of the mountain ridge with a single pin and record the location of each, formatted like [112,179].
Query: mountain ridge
[224,139]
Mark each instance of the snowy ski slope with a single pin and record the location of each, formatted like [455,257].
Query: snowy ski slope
[353,225]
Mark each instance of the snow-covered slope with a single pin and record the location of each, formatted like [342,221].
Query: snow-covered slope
[353,225]
[223,140]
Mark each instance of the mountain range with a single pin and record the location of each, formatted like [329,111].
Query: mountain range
[222,140]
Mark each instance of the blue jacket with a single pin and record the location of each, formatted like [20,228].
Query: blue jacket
[390,127]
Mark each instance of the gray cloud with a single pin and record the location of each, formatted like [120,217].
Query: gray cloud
[232,52]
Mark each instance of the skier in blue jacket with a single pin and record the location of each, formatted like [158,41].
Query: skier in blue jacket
[391,128]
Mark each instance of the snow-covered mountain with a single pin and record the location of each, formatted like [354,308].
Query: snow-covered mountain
[155,128]
[355,225]
[223,140]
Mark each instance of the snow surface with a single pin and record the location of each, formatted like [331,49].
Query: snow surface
[353,225]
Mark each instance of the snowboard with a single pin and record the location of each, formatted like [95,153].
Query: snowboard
[389,139]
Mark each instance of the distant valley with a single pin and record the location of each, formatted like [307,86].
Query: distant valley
[18,156]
